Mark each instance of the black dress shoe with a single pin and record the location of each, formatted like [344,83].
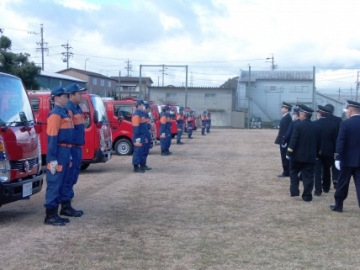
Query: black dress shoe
[283,175]
[317,193]
[336,208]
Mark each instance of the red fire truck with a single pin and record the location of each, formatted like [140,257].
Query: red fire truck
[122,131]
[98,139]
[20,157]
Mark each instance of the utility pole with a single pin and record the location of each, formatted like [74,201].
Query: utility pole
[339,94]
[248,97]
[128,67]
[163,73]
[119,84]
[273,66]
[42,48]
[67,54]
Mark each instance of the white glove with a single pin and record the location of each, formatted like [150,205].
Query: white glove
[287,157]
[284,145]
[337,164]
[53,166]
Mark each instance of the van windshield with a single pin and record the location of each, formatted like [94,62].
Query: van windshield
[99,108]
[15,108]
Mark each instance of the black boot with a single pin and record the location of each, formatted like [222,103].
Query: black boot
[52,218]
[144,167]
[167,151]
[80,211]
[138,169]
[67,210]
[179,142]
[164,153]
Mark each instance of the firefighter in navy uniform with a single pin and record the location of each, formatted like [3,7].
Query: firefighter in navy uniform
[337,120]
[165,131]
[203,122]
[59,136]
[347,156]
[180,119]
[209,122]
[302,152]
[190,123]
[295,120]
[146,147]
[78,141]
[327,149]
[284,124]
[140,129]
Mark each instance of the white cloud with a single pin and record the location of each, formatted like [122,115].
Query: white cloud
[169,22]
[78,5]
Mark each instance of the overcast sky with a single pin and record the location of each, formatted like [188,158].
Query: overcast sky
[215,38]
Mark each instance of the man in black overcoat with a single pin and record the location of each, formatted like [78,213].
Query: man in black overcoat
[347,156]
[337,120]
[328,134]
[302,151]
[284,124]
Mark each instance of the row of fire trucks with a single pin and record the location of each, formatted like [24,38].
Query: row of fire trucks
[108,126]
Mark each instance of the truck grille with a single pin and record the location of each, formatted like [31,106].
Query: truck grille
[22,166]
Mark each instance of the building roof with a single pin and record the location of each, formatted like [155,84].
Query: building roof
[88,73]
[131,79]
[275,75]
[60,76]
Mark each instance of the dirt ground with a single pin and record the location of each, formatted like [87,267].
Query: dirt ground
[216,203]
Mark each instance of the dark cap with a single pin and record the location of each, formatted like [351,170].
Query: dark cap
[305,109]
[286,105]
[296,111]
[147,105]
[166,108]
[323,109]
[181,108]
[139,102]
[58,91]
[74,87]
[353,104]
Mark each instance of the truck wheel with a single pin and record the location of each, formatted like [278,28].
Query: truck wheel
[123,147]
[84,166]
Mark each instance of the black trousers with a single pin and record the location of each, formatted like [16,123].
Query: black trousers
[284,161]
[344,182]
[307,170]
[322,172]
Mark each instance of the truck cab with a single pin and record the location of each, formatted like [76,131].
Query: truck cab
[120,113]
[98,139]
[20,156]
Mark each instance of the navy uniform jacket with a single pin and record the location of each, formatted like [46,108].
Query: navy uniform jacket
[328,136]
[348,142]
[289,131]
[337,120]
[304,142]
[284,124]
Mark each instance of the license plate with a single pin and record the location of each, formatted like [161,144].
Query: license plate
[27,189]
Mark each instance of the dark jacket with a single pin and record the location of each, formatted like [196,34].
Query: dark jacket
[328,135]
[304,142]
[348,142]
[284,124]
[335,119]
[289,131]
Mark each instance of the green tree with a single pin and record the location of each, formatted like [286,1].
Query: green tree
[18,64]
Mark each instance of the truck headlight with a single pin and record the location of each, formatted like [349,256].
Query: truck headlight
[4,164]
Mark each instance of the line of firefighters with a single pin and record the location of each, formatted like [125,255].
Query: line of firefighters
[142,137]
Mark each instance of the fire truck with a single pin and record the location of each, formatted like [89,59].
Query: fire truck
[119,113]
[98,139]
[20,157]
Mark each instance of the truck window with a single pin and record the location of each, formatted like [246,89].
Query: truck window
[15,108]
[35,104]
[84,105]
[124,111]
